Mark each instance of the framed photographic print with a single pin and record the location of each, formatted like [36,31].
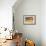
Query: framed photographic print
[29,19]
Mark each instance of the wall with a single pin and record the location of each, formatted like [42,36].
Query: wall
[6,17]
[43,22]
[28,7]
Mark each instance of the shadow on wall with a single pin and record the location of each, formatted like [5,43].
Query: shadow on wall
[28,7]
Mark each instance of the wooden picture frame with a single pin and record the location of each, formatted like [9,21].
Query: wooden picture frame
[29,19]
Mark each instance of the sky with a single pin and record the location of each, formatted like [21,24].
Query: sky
[6,13]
